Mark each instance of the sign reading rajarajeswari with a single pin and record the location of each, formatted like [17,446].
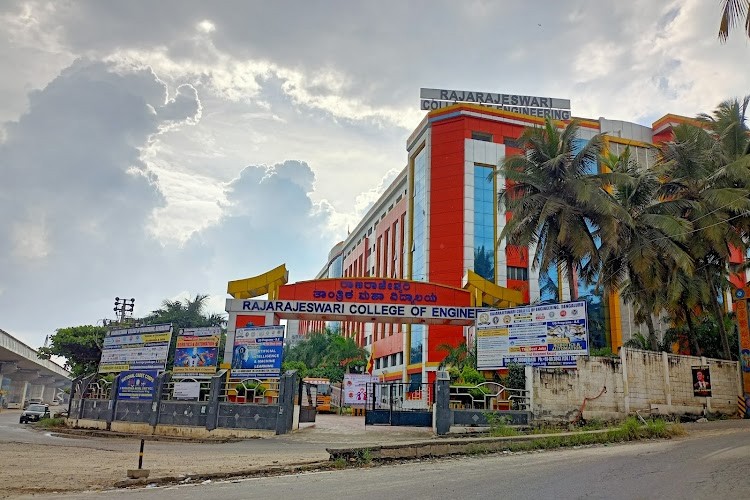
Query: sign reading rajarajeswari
[549,335]
[257,351]
[143,348]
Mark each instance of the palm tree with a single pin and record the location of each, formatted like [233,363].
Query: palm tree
[731,13]
[703,173]
[555,201]
[649,241]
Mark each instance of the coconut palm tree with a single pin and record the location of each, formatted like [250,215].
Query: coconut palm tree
[702,173]
[556,203]
[732,13]
[649,243]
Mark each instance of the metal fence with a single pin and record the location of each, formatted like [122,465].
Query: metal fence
[98,388]
[250,390]
[488,396]
[400,396]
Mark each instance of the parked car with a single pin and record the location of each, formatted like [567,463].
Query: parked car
[34,413]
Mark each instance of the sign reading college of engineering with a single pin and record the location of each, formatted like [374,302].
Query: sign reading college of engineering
[197,351]
[544,107]
[257,352]
[357,311]
[551,335]
[143,348]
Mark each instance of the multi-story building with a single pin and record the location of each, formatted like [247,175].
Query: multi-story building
[440,218]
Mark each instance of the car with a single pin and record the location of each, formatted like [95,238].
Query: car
[34,413]
[32,401]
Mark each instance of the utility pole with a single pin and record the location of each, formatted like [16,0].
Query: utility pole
[123,307]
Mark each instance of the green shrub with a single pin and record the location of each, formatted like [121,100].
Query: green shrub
[500,425]
[51,423]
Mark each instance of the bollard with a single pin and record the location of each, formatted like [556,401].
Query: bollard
[140,472]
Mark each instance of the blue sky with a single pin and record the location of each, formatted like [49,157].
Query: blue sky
[159,149]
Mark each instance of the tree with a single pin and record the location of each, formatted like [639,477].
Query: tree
[556,203]
[702,170]
[81,346]
[327,354]
[649,243]
[731,13]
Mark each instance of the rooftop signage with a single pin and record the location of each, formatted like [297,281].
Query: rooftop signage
[543,107]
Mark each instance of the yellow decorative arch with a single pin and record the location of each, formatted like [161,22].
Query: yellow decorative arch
[266,283]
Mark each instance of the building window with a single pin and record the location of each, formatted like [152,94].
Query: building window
[510,142]
[518,273]
[481,136]
[419,258]
[417,337]
[484,222]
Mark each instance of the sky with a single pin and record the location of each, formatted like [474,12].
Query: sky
[157,150]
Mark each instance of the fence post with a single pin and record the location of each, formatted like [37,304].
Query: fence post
[443,414]
[625,385]
[704,362]
[287,390]
[84,387]
[667,380]
[162,380]
[214,394]
[112,405]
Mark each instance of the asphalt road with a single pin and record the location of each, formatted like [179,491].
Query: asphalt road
[710,463]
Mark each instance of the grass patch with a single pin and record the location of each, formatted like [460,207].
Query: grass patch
[51,423]
[500,426]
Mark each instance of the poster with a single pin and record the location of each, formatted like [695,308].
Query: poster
[257,352]
[186,390]
[701,381]
[196,352]
[550,335]
[355,388]
[137,385]
[142,348]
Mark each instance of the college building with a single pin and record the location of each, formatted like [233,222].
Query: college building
[439,222]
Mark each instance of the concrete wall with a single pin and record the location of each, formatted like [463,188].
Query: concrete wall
[643,381]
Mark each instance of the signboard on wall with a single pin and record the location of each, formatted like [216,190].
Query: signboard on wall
[186,390]
[143,348]
[551,335]
[543,107]
[257,352]
[137,385]
[355,388]
[196,353]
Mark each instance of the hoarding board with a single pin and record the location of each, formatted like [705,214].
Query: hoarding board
[550,335]
[701,381]
[355,388]
[142,348]
[137,385]
[197,351]
[257,352]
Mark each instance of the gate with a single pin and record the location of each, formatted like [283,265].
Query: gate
[399,403]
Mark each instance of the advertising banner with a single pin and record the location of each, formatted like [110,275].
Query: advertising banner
[186,390]
[197,351]
[355,388]
[142,348]
[257,352]
[137,385]
[550,335]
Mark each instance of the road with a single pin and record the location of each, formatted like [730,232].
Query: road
[709,463]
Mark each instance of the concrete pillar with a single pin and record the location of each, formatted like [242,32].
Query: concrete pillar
[287,392]
[161,381]
[667,381]
[23,392]
[529,376]
[625,385]
[704,362]
[217,384]
[443,418]
[112,404]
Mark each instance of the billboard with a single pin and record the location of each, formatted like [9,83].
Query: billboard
[142,348]
[257,351]
[137,385]
[550,335]
[355,388]
[701,381]
[197,351]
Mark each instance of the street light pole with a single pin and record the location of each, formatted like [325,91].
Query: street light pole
[123,307]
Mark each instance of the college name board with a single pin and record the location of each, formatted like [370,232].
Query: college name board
[544,107]
[550,335]
[348,311]
[142,348]
[257,352]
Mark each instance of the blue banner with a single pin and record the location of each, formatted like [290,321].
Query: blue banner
[137,385]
